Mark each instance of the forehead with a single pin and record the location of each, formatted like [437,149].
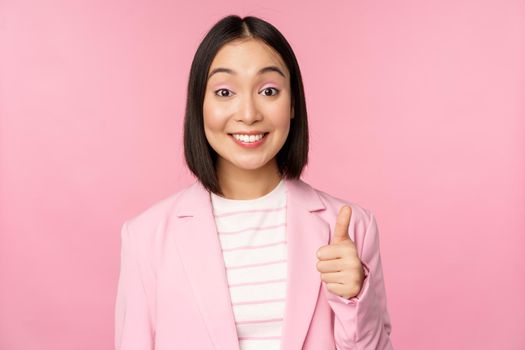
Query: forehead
[247,56]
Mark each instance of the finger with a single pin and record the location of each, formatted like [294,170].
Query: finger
[344,290]
[332,251]
[332,277]
[341,224]
[336,288]
[329,266]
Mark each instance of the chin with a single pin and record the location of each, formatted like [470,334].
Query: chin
[250,165]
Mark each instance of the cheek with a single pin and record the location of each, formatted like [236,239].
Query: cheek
[214,117]
[281,115]
[280,110]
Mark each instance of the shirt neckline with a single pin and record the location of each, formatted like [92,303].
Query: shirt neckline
[274,193]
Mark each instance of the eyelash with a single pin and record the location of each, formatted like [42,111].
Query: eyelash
[271,88]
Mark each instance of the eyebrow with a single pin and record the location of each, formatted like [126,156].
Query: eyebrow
[261,71]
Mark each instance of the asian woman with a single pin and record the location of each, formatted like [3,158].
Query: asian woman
[249,256]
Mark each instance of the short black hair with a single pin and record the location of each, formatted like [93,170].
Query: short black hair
[200,156]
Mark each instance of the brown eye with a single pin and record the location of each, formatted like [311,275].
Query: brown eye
[223,93]
[270,89]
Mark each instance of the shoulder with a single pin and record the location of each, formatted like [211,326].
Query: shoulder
[363,229]
[333,203]
[155,214]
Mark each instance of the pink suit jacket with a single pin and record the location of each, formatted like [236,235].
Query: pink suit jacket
[173,292]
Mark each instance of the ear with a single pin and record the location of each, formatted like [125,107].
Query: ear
[293,113]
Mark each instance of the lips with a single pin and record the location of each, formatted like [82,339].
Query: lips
[249,139]
[249,136]
[255,132]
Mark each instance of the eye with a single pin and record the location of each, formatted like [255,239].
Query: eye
[221,94]
[270,89]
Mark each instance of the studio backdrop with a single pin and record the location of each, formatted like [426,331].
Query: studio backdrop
[416,111]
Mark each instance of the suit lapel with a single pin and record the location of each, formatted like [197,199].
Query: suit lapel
[200,250]
[306,233]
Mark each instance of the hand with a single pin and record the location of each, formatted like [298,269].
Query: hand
[339,264]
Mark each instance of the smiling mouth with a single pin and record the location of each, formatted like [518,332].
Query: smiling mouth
[251,138]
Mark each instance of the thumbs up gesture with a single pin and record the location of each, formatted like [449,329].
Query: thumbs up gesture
[338,262]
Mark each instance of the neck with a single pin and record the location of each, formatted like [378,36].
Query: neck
[238,183]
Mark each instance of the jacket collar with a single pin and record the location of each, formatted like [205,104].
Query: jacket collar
[199,247]
[192,199]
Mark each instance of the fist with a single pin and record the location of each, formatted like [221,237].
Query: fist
[338,262]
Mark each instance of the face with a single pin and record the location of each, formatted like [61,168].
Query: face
[247,105]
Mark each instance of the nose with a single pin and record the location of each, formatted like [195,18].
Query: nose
[248,111]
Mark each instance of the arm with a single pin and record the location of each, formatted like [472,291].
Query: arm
[363,322]
[133,326]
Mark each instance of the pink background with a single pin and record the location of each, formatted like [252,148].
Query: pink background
[421,104]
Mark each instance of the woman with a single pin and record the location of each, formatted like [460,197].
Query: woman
[249,256]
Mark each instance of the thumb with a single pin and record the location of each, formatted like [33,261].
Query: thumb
[341,224]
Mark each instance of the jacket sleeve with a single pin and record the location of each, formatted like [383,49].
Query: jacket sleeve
[133,326]
[363,322]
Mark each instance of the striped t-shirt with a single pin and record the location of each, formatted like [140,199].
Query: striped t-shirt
[252,234]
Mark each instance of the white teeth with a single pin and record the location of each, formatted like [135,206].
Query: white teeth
[248,138]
